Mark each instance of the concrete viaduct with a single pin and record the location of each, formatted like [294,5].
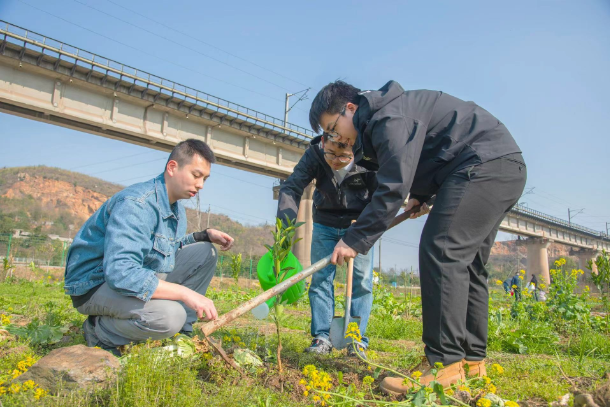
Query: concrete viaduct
[46,80]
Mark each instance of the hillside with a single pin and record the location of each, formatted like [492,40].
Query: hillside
[45,200]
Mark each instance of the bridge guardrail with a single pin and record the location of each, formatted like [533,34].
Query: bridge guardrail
[542,216]
[80,58]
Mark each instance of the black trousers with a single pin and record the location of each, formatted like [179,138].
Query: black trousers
[455,245]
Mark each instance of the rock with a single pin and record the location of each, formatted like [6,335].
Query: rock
[77,366]
[599,398]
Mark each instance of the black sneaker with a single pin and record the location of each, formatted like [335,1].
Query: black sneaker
[92,340]
[356,350]
[320,346]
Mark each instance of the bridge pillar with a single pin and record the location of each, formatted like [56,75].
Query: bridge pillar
[584,256]
[302,250]
[538,259]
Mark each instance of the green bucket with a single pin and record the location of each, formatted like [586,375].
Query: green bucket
[264,270]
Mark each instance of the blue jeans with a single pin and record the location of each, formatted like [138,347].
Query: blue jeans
[321,291]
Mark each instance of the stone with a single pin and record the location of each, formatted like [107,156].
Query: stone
[72,367]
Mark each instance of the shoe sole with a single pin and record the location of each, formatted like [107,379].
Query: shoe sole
[391,392]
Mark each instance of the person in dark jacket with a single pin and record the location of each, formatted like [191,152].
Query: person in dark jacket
[424,143]
[343,190]
[516,284]
[506,285]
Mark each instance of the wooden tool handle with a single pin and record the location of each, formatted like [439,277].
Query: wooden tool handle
[405,215]
[212,326]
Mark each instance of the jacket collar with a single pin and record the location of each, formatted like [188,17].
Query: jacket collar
[163,199]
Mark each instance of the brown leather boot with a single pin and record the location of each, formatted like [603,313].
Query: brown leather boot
[475,368]
[446,376]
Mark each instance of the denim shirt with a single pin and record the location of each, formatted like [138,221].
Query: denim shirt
[132,236]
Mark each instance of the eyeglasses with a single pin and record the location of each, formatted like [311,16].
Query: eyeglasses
[340,158]
[332,129]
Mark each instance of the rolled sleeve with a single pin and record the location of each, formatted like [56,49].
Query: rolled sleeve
[127,243]
[186,240]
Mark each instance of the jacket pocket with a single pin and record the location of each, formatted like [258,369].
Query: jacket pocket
[162,245]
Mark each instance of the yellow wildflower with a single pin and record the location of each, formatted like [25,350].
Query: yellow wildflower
[302,381]
[236,339]
[487,379]
[520,278]
[439,365]
[2,390]
[16,373]
[416,375]
[368,380]
[464,388]
[522,271]
[327,396]
[14,388]
[39,393]
[226,338]
[323,403]
[449,392]
[28,385]
[353,332]
[492,388]
[509,403]
[498,282]
[514,286]
[5,319]
[243,345]
[316,398]
[483,402]
[305,393]
[497,369]
[307,370]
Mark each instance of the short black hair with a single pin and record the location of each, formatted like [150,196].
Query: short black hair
[185,150]
[326,138]
[331,99]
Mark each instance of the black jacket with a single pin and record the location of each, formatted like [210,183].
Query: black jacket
[333,205]
[414,140]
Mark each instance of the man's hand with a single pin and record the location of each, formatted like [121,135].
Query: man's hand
[202,305]
[342,251]
[425,209]
[221,238]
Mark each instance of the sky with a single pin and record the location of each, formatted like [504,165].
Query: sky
[541,67]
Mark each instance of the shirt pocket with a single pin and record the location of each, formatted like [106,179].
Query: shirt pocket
[160,256]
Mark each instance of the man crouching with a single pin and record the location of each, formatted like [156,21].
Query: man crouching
[133,269]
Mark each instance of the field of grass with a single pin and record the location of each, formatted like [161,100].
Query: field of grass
[542,349]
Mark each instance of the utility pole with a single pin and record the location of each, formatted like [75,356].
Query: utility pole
[607,228]
[288,107]
[570,216]
[209,208]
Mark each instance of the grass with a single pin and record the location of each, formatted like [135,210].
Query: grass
[547,371]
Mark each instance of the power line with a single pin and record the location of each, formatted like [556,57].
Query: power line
[179,44]
[109,161]
[191,37]
[127,166]
[149,54]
